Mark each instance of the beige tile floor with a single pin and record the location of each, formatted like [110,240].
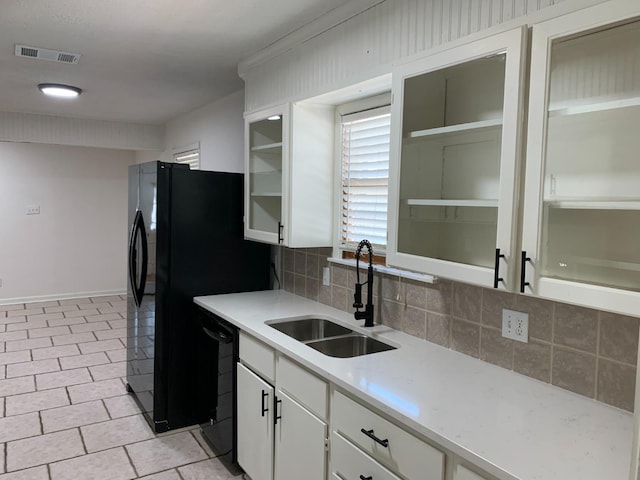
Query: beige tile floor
[64,410]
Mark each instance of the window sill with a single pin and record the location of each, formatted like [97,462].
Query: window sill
[420,277]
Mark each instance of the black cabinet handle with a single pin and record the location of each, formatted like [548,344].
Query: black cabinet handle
[523,268]
[276,403]
[369,433]
[280,230]
[496,270]
[362,477]
[264,396]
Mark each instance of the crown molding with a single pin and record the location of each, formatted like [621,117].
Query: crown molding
[312,29]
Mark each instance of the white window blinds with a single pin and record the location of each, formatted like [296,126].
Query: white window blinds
[191,158]
[365,177]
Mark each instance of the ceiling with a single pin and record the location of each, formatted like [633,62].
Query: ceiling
[142,61]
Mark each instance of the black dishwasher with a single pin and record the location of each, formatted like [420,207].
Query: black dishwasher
[217,352]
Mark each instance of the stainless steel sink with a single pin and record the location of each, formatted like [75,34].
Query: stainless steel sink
[350,346]
[308,329]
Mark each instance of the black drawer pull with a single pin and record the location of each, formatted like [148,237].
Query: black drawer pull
[369,433]
[276,403]
[362,477]
[264,396]
[523,266]
[496,269]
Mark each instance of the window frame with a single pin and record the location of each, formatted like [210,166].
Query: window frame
[187,150]
[361,105]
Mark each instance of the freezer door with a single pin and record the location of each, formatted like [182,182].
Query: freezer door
[141,299]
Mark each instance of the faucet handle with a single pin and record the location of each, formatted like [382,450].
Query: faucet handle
[357,296]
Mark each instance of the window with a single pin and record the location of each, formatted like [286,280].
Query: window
[364,150]
[190,157]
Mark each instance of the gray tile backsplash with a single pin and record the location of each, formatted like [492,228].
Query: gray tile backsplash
[586,351]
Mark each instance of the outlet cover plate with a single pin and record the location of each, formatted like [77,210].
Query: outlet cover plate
[33,209]
[515,325]
[326,276]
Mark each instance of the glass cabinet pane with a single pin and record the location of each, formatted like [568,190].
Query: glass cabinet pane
[265,174]
[450,162]
[591,194]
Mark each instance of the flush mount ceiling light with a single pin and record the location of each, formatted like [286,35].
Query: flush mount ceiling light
[59,90]
[274,117]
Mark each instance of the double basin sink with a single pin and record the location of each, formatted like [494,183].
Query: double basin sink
[330,338]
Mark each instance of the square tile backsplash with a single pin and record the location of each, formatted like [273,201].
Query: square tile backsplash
[586,351]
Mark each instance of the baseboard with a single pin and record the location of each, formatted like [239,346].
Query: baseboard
[60,296]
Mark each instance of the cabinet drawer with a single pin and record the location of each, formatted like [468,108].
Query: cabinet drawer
[348,461]
[260,357]
[304,386]
[406,454]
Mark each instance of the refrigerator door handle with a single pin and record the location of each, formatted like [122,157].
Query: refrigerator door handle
[133,257]
[138,282]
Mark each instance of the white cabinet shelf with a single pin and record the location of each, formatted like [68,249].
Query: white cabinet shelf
[452,129]
[451,203]
[599,262]
[562,111]
[266,194]
[593,204]
[269,148]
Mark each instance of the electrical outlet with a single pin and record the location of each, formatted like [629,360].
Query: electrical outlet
[515,325]
[33,209]
[326,276]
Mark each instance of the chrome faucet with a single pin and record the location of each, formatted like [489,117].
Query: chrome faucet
[367,315]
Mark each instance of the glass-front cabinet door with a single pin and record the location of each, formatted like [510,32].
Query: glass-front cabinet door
[266,160]
[456,120]
[581,232]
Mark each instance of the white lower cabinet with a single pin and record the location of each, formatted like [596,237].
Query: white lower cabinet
[281,431]
[300,442]
[255,399]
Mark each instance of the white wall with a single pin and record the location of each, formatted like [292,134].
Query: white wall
[218,126]
[78,243]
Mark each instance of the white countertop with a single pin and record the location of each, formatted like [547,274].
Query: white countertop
[512,426]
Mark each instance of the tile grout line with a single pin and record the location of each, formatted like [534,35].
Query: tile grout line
[553,344]
[126,452]
[597,370]
[84,444]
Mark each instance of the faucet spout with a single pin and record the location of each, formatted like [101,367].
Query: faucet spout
[367,315]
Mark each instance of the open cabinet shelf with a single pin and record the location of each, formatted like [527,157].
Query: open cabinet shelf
[593,204]
[269,148]
[451,203]
[569,110]
[454,129]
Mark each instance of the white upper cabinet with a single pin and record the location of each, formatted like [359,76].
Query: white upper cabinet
[456,126]
[288,175]
[581,225]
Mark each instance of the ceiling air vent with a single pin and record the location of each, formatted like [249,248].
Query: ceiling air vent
[45,54]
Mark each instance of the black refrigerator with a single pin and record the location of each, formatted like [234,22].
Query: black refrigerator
[185,240]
